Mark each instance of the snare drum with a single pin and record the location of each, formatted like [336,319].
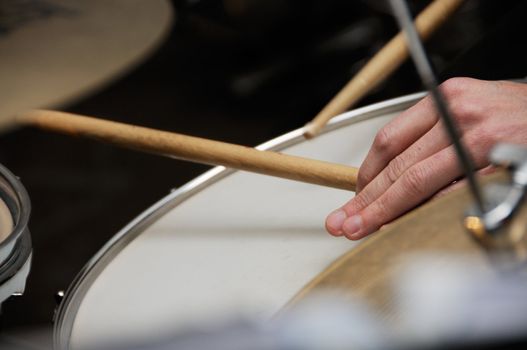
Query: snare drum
[228,243]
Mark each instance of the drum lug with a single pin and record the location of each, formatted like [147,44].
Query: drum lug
[58,297]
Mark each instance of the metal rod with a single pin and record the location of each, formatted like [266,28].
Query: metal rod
[426,73]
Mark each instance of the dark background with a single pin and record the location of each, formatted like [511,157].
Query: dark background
[238,71]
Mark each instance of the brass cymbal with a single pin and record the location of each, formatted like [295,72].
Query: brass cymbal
[368,271]
[55,51]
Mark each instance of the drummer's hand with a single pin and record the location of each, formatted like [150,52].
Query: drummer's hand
[412,158]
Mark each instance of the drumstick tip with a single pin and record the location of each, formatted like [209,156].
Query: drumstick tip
[311,130]
[8,123]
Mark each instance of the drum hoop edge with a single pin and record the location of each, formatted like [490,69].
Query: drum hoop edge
[66,311]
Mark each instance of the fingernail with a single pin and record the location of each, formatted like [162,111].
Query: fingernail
[352,225]
[335,220]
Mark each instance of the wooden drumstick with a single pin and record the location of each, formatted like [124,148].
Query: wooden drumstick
[384,63]
[194,149]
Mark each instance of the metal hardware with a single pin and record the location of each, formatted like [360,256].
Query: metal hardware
[503,226]
[58,297]
[422,63]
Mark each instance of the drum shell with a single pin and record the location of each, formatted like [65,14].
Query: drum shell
[16,248]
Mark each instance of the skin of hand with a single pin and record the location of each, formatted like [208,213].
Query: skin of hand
[412,158]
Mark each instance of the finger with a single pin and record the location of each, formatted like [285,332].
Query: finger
[395,137]
[458,184]
[334,222]
[377,189]
[432,142]
[419,182]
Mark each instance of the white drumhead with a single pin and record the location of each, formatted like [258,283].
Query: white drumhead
[243,245]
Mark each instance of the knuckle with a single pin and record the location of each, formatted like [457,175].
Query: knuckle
[381,143]
[467,108]
[415,181]
[466,111]
[479,143]
[360,201]
[363,177]
[454,87]
[381,212]
[394,169]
